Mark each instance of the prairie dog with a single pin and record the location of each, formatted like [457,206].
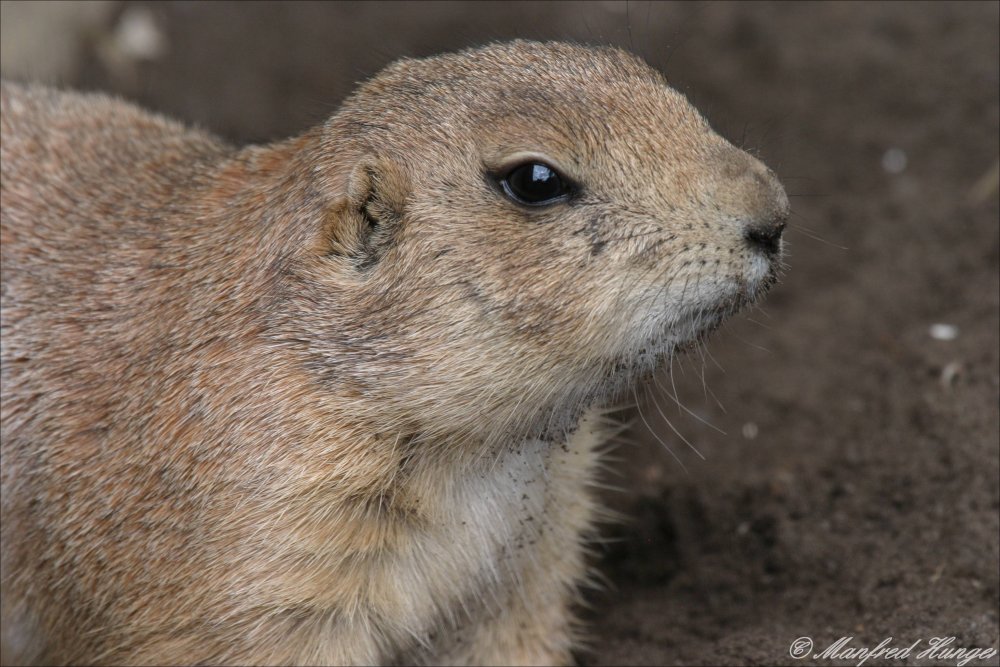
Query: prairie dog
[337,400]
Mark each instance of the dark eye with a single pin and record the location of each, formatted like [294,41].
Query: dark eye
[534,184]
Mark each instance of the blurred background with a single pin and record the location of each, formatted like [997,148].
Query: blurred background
[850,484]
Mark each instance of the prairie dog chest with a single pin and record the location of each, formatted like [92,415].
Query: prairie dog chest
[493,530]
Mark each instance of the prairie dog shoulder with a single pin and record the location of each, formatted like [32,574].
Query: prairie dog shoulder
[336,399]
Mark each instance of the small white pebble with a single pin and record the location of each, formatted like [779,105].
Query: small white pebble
[138,36]
[894,160]
[949,373]
[943,331]
[750,430]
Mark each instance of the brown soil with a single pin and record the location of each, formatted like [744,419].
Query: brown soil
[856,493]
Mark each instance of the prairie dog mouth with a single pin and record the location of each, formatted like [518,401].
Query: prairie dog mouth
[762,269]
[694,304]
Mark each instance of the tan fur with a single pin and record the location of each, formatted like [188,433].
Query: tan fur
[329,400]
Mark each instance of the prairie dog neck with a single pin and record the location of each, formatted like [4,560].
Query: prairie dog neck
[505,523]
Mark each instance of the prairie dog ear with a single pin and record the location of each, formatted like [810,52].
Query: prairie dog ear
[363,224]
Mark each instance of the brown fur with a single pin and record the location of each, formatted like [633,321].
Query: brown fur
[328,400]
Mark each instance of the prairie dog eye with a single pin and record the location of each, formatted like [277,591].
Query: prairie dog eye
[534,184]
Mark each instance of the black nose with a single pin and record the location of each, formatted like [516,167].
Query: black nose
[765,232]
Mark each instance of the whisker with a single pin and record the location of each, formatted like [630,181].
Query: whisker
[704,383]
[714,361]
[759,347]
[795,227]
[676,432]
[671,373]
[717,401]
[761,324]
[654,434]
[683,407]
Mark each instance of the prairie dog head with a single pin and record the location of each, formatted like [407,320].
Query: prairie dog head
[514,231]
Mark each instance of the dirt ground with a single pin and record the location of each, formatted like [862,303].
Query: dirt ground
[856,491]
